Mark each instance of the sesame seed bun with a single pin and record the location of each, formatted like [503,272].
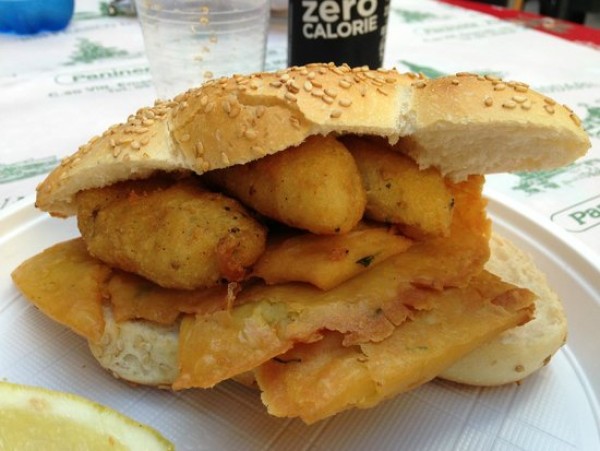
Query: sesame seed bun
[463,124]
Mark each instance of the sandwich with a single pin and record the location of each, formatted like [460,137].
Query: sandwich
[318,233]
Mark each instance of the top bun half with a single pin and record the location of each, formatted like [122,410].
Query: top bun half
[462,124]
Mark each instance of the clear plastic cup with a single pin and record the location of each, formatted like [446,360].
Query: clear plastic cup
[32,16]
[191,41]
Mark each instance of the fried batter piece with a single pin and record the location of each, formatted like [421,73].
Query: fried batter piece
[327,261]
[66,284]
[177,235]
[315,186]
[398,192]
[316,380]
[71,286]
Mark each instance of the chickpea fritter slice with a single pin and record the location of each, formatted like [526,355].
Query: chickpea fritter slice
[315,186]
[176,235]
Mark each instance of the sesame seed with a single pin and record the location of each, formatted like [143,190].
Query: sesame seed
[135,145]
[330,92]
[549,101]
[199,148]
[204,100]
[317,93]
[184,138]
[317,84]
[455,82]
[327,99]
[521,88]
[250,133]
[205,166]
[500,87]
[226,106]
[549,109]
[509,104]
[275,84]
[519,98]
[209,107]
[345,84]
[260,111]
[335,114]
[488,101]
[307,86]
[235,111]
[382,91]
[224,158]
[526,105]
[575,119]
[345,102]
[311,75]
[419,84]
[290,97]
[492,78]
[292,87]
[295,122]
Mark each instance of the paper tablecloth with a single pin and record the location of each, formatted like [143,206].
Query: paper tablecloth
[60,89]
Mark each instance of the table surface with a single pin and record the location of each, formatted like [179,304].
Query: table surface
[60,89]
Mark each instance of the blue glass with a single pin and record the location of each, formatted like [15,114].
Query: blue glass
[32,16]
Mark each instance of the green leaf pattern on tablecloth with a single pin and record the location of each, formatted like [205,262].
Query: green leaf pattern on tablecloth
[27,168]
[89,51]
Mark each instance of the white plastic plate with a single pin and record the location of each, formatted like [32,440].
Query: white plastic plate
[555,409]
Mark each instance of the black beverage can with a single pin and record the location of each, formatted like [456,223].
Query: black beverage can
[338,31]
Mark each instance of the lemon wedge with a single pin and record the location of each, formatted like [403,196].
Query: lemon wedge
[37,418]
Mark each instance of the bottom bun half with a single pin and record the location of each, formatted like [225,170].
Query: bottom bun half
[146,353]
[520,351]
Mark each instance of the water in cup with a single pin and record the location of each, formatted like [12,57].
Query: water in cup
[189,41]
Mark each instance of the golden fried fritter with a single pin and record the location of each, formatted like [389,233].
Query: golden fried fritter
[398,192]
[315,186]
[177,235]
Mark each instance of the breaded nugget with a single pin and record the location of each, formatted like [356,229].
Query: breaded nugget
[315,186]
[178,235]
[398,192]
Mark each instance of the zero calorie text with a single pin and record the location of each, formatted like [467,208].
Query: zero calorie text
[330,19]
